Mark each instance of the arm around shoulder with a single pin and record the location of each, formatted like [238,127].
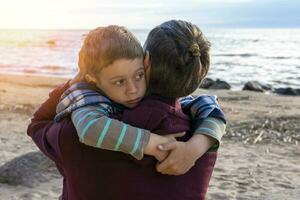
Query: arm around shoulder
[95,128]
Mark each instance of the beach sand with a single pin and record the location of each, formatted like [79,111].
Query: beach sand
[258,159]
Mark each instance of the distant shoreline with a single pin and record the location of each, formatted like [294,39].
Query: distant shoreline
[44,80]
[32,79]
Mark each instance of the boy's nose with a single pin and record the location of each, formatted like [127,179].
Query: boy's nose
[131,87]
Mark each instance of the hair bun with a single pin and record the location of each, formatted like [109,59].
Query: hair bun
[195,50]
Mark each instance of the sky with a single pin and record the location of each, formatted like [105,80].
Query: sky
[86,14]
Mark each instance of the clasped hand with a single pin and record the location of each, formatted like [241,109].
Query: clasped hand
[179,157]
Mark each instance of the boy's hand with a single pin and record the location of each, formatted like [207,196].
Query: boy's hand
[180,159]
[155,140]
[183,155]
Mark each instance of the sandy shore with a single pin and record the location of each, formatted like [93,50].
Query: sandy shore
[259,157]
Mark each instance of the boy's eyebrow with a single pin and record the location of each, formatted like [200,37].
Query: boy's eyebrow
[120,76]
[140,68]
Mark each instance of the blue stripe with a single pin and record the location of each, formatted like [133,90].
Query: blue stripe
[81,111]
[213,122]
[85,116]
[202,105]
[206,104]
[78,93]
[83,93]
[203,100]
[137,141]
[204,112]
[196,107]
[88,125]
[103,111]
[186,100]
[103,133]
[206,130]
[73,97]
[120,140]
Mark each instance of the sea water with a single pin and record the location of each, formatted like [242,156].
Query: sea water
[270,56]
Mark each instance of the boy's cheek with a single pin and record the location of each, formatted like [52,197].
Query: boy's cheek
[143,88]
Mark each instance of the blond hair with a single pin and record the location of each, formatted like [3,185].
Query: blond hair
[104,45]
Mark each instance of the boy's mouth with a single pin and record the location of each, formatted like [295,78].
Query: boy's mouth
[134,101]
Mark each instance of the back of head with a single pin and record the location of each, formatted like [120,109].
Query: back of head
[179,56]
[104,45]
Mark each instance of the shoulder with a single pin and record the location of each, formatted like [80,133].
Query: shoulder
[101,109]
[68,140]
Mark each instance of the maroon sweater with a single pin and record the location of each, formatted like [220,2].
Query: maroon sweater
[93,174]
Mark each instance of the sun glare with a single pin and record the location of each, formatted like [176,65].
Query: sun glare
[39,14]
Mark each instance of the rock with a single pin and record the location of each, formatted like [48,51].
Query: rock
[28,170]
[287,91]
[219,84]
[206,83]
[216,85]
[51,43]
[256,86]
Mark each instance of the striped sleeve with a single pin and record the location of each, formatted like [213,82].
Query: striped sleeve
[212,127]
[202,106]
[96,129]
[208,118]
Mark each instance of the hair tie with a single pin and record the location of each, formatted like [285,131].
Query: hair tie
[195,50]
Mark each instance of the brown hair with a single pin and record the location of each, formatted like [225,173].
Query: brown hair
[104,45]
[179,57]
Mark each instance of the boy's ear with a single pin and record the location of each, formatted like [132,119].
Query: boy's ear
[90,78]
[146,62]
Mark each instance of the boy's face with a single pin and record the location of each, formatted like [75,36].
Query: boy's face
[123,81]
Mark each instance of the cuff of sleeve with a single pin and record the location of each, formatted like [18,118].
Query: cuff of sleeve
[212,127]
[143,143]
[214,147]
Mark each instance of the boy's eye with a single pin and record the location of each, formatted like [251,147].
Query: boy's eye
[139,76]
[119,82]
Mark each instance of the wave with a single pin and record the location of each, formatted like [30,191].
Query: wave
[282,57]
[237,55]
[256,55]
[225,63]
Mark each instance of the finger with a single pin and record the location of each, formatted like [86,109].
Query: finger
[176,134]
[175,172]
[180,134]
[167,146]
[170,171]
[167,171]
[164,165]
